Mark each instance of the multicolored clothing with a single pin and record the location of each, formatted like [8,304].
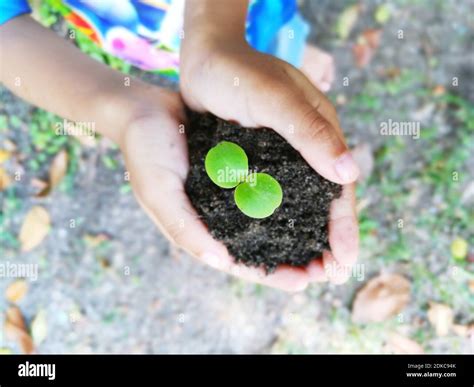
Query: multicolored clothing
[147,33]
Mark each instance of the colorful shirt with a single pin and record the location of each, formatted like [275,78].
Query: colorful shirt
[148,33]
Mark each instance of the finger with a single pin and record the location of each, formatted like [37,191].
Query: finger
[343,227]
[308,131]
[324,85]
[328,76]
[336,273]
[316,98]
[316,271]
[318,66]
[287,278]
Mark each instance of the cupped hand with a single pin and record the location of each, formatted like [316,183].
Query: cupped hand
[237,83]
[155,151]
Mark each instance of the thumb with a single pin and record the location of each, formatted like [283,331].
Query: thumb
[311,130]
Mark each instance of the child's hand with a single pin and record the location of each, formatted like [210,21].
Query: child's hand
[235,82]
[156,156]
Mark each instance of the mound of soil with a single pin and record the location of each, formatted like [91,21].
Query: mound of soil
[296,233]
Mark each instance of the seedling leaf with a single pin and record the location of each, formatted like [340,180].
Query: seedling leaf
[259,196]
[226,164]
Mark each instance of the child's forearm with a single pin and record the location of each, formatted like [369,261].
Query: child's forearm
[50,72]
[210,26]
[224,20]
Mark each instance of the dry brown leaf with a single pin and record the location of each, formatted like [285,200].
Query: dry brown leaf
[21,337]
[471,286]
[392,72]
[341,99]
[9,145]
[4,155]
[362,54]
[94,240]
[39,327]
[439,90]
[347,20]
[367,43]
[14,316]
[16,291]
[372,37]
[470,257]
[400,344]
[39,185]
[15,330]
[57,171]
[35,228]
[5,180]
[381,298]
[441,316]
[58,168]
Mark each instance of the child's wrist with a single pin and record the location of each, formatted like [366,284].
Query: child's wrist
[215,20]
[118,110]
[198,51]
[115,108]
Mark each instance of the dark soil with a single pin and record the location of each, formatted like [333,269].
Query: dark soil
[296,233]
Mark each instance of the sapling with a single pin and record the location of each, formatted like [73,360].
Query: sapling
[257,195]
[226,164]
[296,232]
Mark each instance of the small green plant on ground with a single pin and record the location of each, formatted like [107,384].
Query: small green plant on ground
[257,195]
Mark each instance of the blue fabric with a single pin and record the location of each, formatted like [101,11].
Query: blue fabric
[264,20]
[291,41]
[12,8]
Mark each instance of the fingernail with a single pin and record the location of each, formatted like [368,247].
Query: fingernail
[215,261]
[210,259]
[325,86]
[346,168]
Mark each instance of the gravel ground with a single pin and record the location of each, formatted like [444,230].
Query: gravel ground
[134,293]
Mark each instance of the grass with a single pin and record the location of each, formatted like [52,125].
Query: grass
[11,205]
[442,161]
[440,158]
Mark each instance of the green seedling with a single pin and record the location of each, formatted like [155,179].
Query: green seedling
[227,164]
[257,195]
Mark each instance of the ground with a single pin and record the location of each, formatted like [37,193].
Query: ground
[110,283]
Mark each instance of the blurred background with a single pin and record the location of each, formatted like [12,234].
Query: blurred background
[108,282]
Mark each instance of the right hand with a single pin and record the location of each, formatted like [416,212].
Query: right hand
[258,90]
